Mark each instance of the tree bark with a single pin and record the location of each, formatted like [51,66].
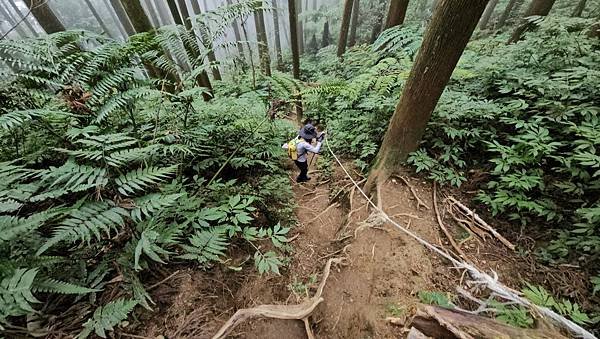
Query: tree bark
[174,12]
[293,19]
[116,20]
[376,28]
[277,36]
[326,40]
[341,48]
[444,41]
[506,14]
[536,7]
[122,17]
[396,13]
[489,10]
[263,44]
[17,28]
[300,29]
[44,15]
[578,11]
[98,17]
[19,15]
[236,33]
[354,23]
[138,18]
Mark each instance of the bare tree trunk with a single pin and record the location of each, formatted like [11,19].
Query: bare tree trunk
[97,17]
[277,36]
[537,7]
[18,28]
[138,18]
[489,10]
[354,24]
[506,14]
[263,44]
[326,40]
[208,44]
[396,13]
[116,20]
[293,19]
[341,48]
[122,17]
[163,15]
[236,32]
[579,8]
[444,41]
[376,28]
[250,53]
[300,28]
[19,15]
[174,12]
[44,15]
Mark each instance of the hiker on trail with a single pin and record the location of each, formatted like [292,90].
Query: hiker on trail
[299,147]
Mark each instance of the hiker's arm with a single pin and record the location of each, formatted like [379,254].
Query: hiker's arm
[285,146]
[313,149]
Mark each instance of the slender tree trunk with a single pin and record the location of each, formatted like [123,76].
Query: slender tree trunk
[208,44]
[116,20]
[236,33]
[97,17]
[151,12]
[174,12]
[489,10]
[44,15]
[277,36]
[263,44]
[300,28]
[19,15]
[163,14]
[376,28]
[444,41]
[293,19]
[579,8]
[326,41]
[537,7]
[396,13]
[341,49]
[354,24]
[122,17]
[138,18]
[9,18]
[506,14]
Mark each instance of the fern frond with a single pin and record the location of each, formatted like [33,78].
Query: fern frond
[143,177]
[17,118]
[50,285]
[207,246]
[151,203]
[129,156]
[12,227]
[106,317]
[122,99]
[15,293]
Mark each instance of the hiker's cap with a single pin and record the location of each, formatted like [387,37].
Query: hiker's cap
[308,132]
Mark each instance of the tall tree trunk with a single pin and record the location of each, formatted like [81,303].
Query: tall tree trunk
[578,11]
[97,17]
[506,14]
[277,36]
[138,18]
[174,12]
[300,26]
[489,10]
[122,17]
[536,7]
[44,15]
[19,15]
[151,12]
[9,18]
[263,44]
[376,28]
[115,19]
[326,41]
[396,13]
[163,13]
[236,33]
[444,41]
[354,24]
[293,19]
[205,37]
[341,48]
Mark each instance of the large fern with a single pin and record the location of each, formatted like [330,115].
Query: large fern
[141,178]
[106,317]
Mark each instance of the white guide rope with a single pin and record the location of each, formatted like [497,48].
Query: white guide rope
[480,278]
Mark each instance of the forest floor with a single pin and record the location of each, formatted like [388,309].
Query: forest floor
[382,274]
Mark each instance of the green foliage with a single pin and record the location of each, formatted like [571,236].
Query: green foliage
[517,316]
[436,298]
[106,317]
[539,296]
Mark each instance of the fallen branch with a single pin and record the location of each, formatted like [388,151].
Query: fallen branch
[289,312]
[444,229]
[482,223]
[420,202]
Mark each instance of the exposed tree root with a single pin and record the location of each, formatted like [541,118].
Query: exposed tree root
[481,223]
[444,229]
[337,204]
[291,312]
[420,202]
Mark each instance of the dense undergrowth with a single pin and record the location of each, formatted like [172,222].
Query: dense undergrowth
[105,175]
[520,123]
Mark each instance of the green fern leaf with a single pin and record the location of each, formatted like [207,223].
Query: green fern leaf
[15,293]
[50,285]
[207,246]
[151,203]
[106,317]
[139,179]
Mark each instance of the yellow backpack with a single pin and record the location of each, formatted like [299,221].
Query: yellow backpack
[293,148]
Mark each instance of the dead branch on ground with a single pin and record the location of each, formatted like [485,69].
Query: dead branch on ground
[444,229]
[420,202]
[291,312]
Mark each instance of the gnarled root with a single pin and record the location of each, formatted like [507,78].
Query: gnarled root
[292,312]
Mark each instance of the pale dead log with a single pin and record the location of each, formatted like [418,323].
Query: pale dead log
[286,312]
[441,322]
[444,229]
[482,223]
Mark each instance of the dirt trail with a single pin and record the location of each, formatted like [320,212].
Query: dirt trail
[383,273]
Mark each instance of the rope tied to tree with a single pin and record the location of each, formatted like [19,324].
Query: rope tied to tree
[479,277]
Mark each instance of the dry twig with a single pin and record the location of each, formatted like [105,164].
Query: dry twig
[420,202]
[444,229]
